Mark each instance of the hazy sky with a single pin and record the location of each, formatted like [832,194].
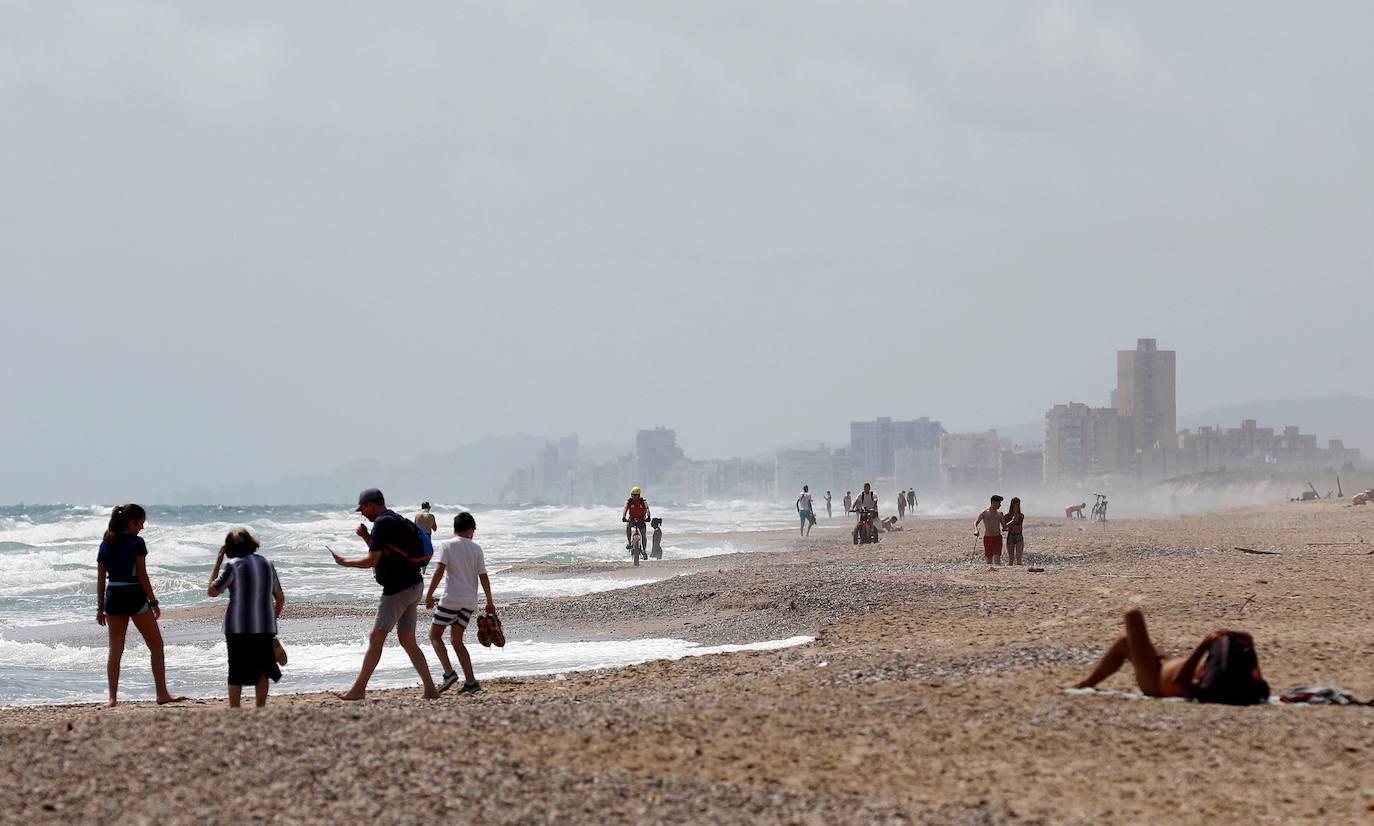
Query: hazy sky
[244,240]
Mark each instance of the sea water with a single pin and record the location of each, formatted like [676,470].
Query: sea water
[52,651]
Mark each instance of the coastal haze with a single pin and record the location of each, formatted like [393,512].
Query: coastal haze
[247,244]
[513,259]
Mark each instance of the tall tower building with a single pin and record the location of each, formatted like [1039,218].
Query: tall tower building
[1146,393]
[655,451]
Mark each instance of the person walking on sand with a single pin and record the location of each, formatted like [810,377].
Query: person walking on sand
[828,514]
[124,594]
[393,543]
[804,506]
[462,561]
[1014,522]
[901,505]
[848,502]
[425,521]
[990,521]
[911,500]
[256,601]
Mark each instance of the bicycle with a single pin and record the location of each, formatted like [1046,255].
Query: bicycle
[1100,508]
[637,541]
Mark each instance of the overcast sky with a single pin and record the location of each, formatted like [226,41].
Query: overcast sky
[244,240]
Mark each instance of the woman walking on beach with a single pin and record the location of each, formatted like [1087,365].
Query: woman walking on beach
[1013,521]
[250,622]
[123,593]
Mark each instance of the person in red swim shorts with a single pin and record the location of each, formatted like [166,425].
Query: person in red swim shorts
[990,521]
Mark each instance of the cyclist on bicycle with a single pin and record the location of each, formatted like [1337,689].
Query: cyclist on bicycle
[636,513]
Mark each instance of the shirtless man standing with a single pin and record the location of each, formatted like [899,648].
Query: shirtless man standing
[990,521]
[424,520]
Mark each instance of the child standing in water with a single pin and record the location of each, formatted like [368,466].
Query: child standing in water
[250,622]
[1016,541]
[657,552]
[123,593]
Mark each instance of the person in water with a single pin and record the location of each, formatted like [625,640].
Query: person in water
[256,601]
[1223,668]
[424,520]
[657,524]
[124,594]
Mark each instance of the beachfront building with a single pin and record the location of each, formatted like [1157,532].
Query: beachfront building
[840,477]
[918,468]
[655,451]
[1248,447]
[1146,394]
[970,461]
[1083,442]
[873,445]
[804,467]
[1022,469]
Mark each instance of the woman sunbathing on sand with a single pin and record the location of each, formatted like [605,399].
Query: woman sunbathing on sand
[1229,674]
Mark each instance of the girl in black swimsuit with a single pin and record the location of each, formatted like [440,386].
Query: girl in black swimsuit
[124,594]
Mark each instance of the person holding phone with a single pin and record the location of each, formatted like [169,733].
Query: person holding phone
[402,589]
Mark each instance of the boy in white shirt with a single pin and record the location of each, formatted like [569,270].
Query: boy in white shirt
[461,559]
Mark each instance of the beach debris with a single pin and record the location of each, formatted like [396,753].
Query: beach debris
[1247,602]
[1333,544]
[1253,551]
[1035,570]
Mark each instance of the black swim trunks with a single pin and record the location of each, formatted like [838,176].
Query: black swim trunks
[251,658]
[125,599]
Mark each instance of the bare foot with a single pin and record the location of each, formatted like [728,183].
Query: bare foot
[112,704]
[432,694]
[162,701]
[351,696]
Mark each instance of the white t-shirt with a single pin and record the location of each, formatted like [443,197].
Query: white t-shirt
[463,564]
[804,501]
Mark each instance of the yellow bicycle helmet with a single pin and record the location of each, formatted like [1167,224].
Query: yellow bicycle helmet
[634,491]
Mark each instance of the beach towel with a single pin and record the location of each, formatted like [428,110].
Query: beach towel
[1321,695]
[1136,695]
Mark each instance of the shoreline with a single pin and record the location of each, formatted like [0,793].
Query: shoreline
[932,681]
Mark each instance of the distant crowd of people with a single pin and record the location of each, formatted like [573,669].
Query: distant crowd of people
[865,505]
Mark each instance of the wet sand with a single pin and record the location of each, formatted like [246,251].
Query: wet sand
[930,695]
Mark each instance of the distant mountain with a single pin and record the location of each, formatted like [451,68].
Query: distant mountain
[471,473]
[1329,417]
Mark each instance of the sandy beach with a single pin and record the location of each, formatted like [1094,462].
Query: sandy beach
[931,694]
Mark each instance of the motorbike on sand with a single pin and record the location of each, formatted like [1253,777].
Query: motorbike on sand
[865,532]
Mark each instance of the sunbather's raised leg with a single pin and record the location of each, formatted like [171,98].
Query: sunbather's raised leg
[1134,645]
[1145,658]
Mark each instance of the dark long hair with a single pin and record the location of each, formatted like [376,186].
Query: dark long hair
[239,543]
[1015,506]
[120,519]
[1231,673]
